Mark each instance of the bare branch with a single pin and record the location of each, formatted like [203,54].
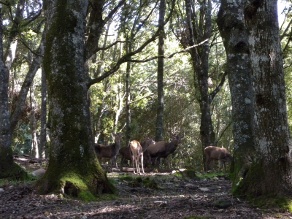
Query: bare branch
[217,89]
[171,55]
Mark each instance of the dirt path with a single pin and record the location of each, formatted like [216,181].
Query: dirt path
[160,195]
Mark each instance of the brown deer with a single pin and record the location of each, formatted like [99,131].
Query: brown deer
[162,149]
[137,156]
[217,153]
[125,152]
[109,151]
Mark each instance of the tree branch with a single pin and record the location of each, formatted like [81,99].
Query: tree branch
[217,89]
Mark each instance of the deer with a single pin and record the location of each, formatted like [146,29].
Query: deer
[137,156]
[162,149]
[109,151]
[125,152]
[217,153]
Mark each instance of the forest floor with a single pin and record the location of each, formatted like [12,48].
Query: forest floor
[169,195]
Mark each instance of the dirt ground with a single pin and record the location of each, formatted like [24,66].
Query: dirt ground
[154,195]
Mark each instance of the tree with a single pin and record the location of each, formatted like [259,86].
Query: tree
[264,165]
[73,167]
[196,37]
[8,169]
[16,24]
[160,73]
[239,76]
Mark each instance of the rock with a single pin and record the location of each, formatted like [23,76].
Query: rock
[39,172]
[223,204]
[1,190]
[204,189]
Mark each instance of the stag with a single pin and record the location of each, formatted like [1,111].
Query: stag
[137,156]
[162,149]
[109,151]
[217,153]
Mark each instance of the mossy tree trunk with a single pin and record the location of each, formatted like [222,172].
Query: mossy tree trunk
[271,171]
[73,167]
[8,169]
[250,31]
[235,38]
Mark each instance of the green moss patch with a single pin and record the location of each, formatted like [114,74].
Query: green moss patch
[74,186]
[269,202]
[138,181]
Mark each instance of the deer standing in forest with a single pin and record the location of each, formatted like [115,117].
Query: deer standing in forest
[217,153]
[125,152]
[109,151]
[137,156]
[162,149]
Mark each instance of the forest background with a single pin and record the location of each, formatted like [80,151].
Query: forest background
[124,89]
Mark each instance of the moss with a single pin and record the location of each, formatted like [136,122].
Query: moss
[150,183]
[138,181]
[86,196]
[87,185]
[211,175]
[248,184]
[269,202]
[189,173]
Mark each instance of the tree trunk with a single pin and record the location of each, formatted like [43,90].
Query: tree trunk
[239,75]
[73,167]
[270,172]
[8,169]
[198,32]
[262,164]
[33,123]
[128,100]
[160,71]
[43,134]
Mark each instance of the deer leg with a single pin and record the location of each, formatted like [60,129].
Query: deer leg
[207,164]
[133,163]
[142,163]
[137,165]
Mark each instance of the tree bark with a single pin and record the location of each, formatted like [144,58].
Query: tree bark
[73,167]
[160,72]
[235,38]
[199,31]
[8,169]
[270,172]
[43,133]
[262,164]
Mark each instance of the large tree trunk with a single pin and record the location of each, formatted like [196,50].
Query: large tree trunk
[270,172]
[251,37]
[8,169]
[73,167]
[239,75]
